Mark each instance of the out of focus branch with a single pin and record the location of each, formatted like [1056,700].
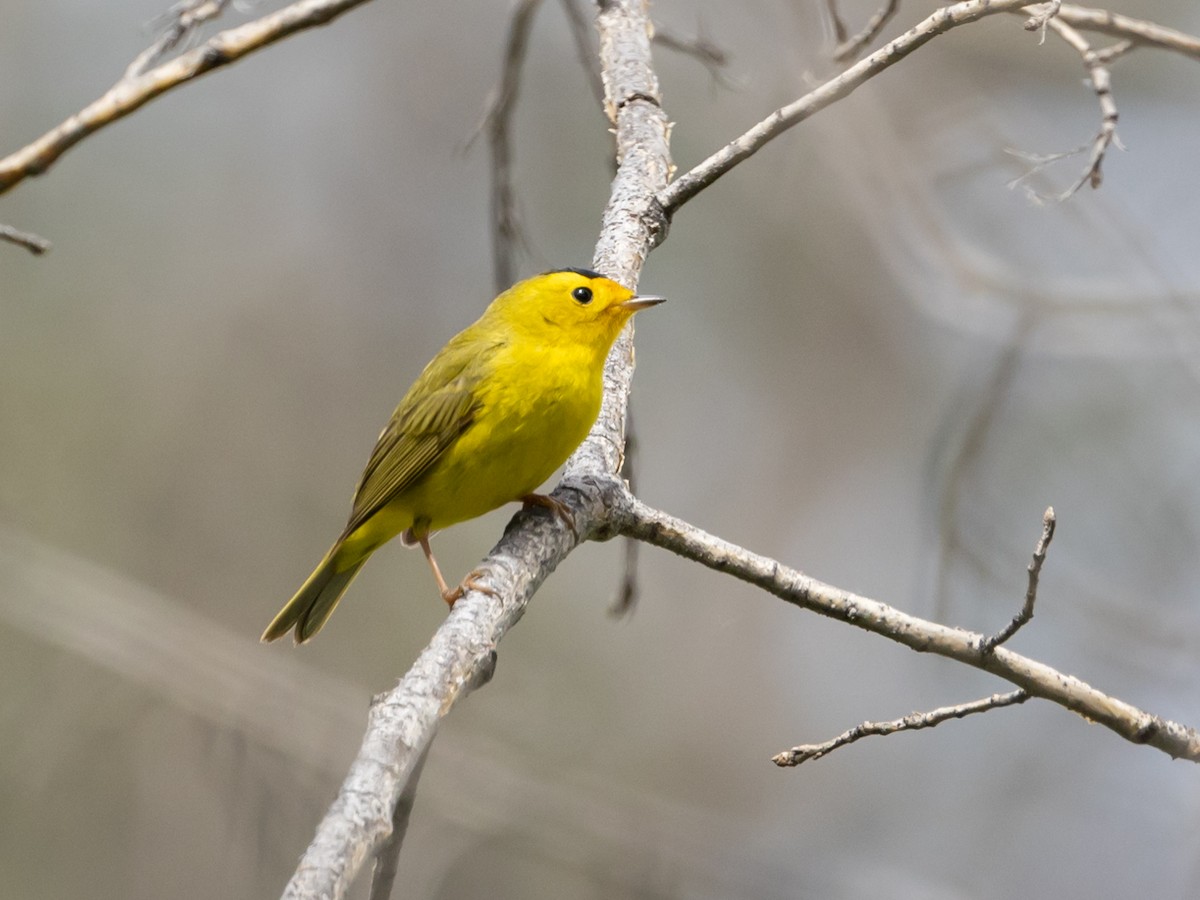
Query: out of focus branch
[137,88]
[507,235]
[33,243]
[177,24]
[706,52]
[580,27]
[850,46]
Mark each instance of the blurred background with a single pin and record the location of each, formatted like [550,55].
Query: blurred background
[879,364]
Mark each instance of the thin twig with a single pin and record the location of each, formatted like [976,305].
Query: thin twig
[706,52]
[581,34]
[912,722]
[1145,33]
[626,594]
[35,244]
[1038,679]
[1041,17]
[840,32]
[701,176]
[848,48]
[507,234]
[130,94]
[178,24]
[1035,572]
[1141,32]
[1101,81]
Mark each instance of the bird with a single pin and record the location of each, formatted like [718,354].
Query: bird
[491,417]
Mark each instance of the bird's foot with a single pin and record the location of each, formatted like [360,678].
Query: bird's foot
[470,583]
[557,507]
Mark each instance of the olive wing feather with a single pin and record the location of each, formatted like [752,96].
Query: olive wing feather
[439,407]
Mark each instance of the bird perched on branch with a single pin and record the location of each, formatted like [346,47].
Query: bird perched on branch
[495,412]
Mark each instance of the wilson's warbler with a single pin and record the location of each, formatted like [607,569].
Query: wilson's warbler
[499,408]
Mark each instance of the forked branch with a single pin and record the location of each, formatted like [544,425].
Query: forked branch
[138,87]
[1037,679]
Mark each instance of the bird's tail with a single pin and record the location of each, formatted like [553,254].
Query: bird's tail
[316,599]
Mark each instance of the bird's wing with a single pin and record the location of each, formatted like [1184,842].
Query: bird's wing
[439,407]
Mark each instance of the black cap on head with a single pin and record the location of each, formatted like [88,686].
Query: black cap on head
[586,273]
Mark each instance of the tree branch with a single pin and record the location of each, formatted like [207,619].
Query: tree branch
[691,183]
[461,657]
[849,47]
[1038,679]
[135,90]
[1096,62]
[701,176]
[178,24]
[1021,619]
[913,722]
[35,244]
[1137,30]
[507,235]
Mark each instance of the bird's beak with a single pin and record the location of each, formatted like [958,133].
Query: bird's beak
[633,304]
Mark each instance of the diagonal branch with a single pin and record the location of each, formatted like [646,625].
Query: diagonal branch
[1039,680]
[848,46]
[35,244]
[135,90]
[912,722]
[1138,31]
[178,24]
[688,185]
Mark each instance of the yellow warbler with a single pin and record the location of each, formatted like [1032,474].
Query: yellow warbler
[492,416]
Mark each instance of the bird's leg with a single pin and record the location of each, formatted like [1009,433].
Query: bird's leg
[557,507]
[450,595]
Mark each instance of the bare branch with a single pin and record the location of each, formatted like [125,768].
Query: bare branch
[1137,30]
[581,35]
[1101,81]
[130,94]
[1140,32]
[691,183]
[507,234]
[462,654]
[1035,572]
[1038,679]
[840,32]
[178,24]
[848,48]
[625,597]
[33,243]
[1040,18]
[911,722]
[706,52]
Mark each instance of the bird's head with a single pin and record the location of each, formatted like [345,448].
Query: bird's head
[571,305]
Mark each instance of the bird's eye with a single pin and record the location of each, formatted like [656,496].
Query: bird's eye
[582,294]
